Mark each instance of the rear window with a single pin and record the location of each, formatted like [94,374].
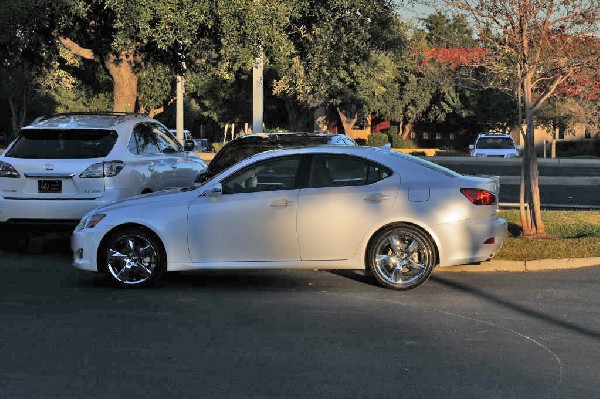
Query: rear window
[63,144]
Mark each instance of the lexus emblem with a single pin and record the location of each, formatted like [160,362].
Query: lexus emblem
[49,166]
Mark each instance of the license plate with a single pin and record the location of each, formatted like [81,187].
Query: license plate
[49,186]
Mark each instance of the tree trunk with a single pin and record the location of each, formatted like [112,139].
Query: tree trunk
[347,123]
[292,116]
[17,114]
[408,127]
[125,81]
[530,165]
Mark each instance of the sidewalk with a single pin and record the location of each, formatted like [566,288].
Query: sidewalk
[500,265]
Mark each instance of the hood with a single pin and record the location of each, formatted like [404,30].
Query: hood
[173,195]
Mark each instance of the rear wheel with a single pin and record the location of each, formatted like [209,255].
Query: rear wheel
[133,257]
[401,257]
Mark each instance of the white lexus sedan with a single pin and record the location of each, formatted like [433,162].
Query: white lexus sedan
[326,207]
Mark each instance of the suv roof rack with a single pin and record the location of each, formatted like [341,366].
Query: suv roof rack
[90,113]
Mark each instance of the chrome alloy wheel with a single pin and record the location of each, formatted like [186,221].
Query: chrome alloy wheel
[132,259]
[402,257]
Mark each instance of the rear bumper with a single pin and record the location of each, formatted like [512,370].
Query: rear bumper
[36,212]
[463,242]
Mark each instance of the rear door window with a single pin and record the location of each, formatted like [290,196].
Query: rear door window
[63,144]
[341,170]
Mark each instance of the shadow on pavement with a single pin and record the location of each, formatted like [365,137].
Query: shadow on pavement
[516,307]
[35,242]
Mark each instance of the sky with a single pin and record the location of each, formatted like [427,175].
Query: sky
[412,12]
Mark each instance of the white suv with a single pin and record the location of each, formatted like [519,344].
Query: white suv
[61,167]
[494,145]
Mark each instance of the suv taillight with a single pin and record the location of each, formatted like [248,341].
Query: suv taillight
[478,196]
[7,170]
[103,169]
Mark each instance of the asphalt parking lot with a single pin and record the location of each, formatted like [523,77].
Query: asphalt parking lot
[308,334]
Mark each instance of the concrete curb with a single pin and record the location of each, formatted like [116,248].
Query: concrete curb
[571,162]
[501,265]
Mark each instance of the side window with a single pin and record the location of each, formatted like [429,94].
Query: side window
[143,141]
[278,174]
[341,170]
[167,143]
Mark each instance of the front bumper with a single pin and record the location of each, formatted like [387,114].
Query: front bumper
[84,244]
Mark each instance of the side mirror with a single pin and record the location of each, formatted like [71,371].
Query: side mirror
[214,191]
[189,145]
[471,147]
[518,147]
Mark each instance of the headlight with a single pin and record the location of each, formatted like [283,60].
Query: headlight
[90,221]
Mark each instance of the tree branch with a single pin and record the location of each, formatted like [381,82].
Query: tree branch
[76,49]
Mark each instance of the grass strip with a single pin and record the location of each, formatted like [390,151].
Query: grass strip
[572,234]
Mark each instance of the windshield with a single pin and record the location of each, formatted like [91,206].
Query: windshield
[62,144]
[500,143]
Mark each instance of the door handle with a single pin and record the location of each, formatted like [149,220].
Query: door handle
[282,203]
[151,166]
[376,197]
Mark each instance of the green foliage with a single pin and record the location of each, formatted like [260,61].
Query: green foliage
[344,55]
[399,142]
[448,32]
[393,130]
[377,139]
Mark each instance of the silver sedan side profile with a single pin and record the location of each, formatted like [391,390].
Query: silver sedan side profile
[326,207]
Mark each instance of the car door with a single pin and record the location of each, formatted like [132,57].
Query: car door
[345,197]
[181,170]
[254,219]
[151,162]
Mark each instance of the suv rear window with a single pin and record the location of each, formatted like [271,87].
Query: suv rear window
[63,144]
[488,143]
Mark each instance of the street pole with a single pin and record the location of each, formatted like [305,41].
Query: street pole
[179,120]
[257,95]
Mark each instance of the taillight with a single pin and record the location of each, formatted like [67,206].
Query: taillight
[103,169]
[7,170]
[478,196]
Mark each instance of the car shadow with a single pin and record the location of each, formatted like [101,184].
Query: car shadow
[35,242]
[516,307]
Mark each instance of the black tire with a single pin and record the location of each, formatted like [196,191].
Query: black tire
[132,257]
[401,257]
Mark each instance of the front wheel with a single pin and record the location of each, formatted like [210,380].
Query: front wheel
[133,257]
[401,257]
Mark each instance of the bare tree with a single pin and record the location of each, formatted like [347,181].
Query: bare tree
[541,43]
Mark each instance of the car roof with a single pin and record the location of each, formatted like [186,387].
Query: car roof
[82,120]
[494,135]
[366,151]
[289,138]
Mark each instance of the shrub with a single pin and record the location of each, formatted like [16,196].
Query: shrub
[398,142]
[418,153]
[377,139]
[360,141]
[393,131]
[451,153]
